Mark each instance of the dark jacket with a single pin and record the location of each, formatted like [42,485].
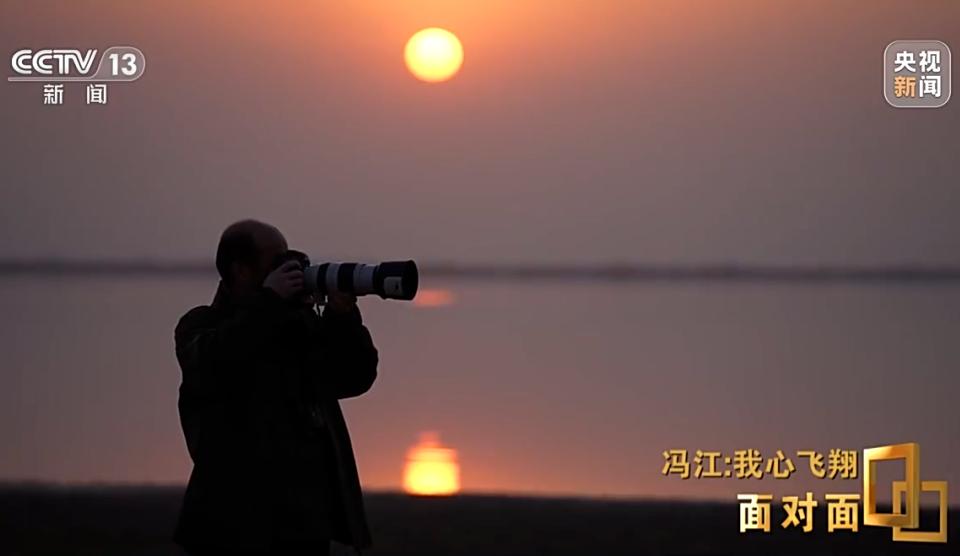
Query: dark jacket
[272,460]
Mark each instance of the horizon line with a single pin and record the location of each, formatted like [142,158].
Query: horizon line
[906,273]
[105,487]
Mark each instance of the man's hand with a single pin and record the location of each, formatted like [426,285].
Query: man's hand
[341,303]
[286,280]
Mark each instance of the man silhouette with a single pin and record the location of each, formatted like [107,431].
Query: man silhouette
[273,468]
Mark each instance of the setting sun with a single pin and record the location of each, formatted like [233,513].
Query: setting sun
[433,55]
[431,469]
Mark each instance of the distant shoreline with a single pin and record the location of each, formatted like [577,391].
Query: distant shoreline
[720,272]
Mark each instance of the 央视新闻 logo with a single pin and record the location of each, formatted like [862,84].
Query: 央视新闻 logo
[917,74]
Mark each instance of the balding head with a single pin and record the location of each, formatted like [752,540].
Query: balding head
[245,253]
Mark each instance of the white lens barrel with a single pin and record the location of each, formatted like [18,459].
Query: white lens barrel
[331,278]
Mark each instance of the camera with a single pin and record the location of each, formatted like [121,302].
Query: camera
[389,280]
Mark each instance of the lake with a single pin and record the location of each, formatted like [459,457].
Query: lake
[545,387]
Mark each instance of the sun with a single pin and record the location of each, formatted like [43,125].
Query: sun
[433,55]
[431,468]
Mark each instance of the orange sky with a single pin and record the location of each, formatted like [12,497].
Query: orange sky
[661,130]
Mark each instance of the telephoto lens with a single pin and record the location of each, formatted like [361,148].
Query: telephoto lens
[389,280]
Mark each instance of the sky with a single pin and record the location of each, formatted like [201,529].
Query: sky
[576,132]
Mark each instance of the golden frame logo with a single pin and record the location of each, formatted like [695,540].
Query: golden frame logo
[842,509]
[903,524]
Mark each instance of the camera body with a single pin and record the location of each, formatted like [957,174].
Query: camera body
[389,280]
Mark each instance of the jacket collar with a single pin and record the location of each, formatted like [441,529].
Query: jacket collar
[226,301]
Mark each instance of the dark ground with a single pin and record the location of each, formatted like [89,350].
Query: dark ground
[135,521]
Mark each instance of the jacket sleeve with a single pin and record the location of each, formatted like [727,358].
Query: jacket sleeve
[214,352]
[345,365]
[215,355]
